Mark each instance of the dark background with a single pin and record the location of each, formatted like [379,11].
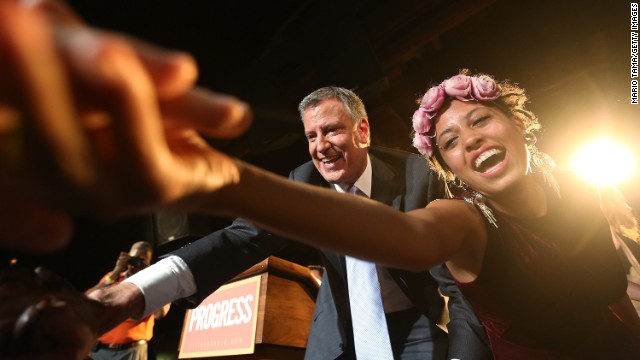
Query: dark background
[573,57]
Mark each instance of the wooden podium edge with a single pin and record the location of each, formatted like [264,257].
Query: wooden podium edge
[280,267]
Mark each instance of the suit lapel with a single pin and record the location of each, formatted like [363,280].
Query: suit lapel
[316,179]
[388,187]
[336,260]
[385,186]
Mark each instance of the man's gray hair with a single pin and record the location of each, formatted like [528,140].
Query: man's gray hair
[349,99]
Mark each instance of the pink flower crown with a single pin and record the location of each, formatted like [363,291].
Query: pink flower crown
[461,87]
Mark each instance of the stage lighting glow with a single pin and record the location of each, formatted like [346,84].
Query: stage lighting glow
[603,162]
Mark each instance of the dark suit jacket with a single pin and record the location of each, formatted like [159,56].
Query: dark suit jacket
[401,180]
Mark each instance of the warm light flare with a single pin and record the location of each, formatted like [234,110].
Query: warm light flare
[603,162]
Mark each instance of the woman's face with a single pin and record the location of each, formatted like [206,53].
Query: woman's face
[482,146]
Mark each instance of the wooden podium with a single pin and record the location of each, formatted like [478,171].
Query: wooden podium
[284,300]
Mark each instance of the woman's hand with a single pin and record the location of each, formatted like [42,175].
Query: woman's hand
[96,123]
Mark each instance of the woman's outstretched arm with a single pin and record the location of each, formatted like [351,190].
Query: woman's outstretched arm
[349,224]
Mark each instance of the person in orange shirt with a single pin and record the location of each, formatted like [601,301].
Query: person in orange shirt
[129,339]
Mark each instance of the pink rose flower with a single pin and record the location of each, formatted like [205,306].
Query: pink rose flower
[421,121]
[458,86]
[485,88]
[424,144]
[432,100]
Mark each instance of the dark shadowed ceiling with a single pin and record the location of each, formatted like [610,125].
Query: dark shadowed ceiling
[572,56]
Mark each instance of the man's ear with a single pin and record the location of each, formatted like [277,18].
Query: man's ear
[362,128]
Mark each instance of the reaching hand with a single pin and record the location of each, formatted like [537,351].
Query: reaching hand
[42,315]
[96,123]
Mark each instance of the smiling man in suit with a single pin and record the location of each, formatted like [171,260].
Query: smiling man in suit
[338,133]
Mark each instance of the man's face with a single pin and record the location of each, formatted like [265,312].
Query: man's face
[337,145]
[140,260]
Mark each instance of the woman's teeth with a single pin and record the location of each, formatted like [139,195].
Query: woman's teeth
[488,159]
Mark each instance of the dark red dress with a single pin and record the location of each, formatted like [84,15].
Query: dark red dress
[546,283]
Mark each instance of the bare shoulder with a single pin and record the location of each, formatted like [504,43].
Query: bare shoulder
[460,210]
